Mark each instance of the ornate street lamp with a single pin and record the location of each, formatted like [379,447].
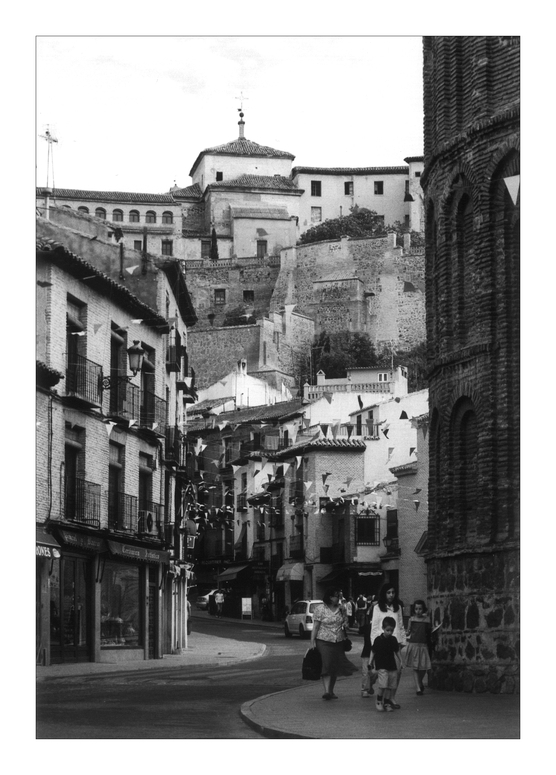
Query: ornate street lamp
[135,355]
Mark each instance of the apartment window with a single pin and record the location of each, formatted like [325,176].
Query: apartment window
[83,210]
[134,216]
[406,221]
[407,186]
[417,174]
[117,215]
[262,248]
[348,188]
[205,248]
[118,367]
[137,244]
[316,188]
[316,214]
[248,297]
[359,425]
[167,217]
[73,465]
[219,176]
[116,507]
[100,212]
[367,530]
[145,482]
[219,296]
[383,376]
[167,247]
[392,523]
[379,187]
[76,348]
[150,216]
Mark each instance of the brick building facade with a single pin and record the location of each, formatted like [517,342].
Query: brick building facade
[471,185]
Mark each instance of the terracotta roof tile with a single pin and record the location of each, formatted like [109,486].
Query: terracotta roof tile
[350,170]
[258,181]
[242,147]
[112,196]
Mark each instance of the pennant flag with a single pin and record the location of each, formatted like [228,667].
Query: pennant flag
[411,450]
[137,320]
[307,484]
[425,429]
[385,431]
[326,488]
[349,427]
[328,397]
[369,424]
[109,426]
[306,422]
[96,327]
[324,429]
[235,469]
[324,478]
[416,504]
[403,415]
[222,424]
[348,481]
[298,461]
[285,467]
[417,491]
[131,423]
[131,269]
[202,447]
[360,402]
[390,452]
[155,426]
[512,184]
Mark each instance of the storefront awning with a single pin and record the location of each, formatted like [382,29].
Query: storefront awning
[332,576]
[47,545]
[290,571]
[82,541]
[231,573]
[138,553]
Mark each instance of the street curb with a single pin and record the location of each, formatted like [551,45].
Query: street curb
[246,715]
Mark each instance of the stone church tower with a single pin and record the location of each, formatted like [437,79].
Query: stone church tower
[471,185]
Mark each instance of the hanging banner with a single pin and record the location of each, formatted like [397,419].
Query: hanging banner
[512,184]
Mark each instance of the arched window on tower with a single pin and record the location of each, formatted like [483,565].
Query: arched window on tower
[463,289]
[465,445]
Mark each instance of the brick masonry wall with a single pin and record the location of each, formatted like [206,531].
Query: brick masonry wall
[472,297]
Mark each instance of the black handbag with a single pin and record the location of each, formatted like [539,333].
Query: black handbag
[311,667]
[346,643]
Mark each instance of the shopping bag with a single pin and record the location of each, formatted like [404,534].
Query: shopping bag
[311,666]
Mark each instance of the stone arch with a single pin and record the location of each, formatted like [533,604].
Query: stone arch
[464,452]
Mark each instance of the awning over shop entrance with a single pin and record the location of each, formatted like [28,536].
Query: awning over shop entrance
[47,545]
[290,571]
[332,576]
[232,573]
[139,553]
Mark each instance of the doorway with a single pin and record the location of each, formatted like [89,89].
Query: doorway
[69,611]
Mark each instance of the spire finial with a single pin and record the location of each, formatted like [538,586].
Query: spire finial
[241,122]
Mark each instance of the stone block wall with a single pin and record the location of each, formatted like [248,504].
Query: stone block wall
[215,352]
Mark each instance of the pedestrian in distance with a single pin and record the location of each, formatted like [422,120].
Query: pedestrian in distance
[389,604]
[360,612]
[419,638]
[368,677]
[385,659]
[329,632]
[350,611]
[219,600]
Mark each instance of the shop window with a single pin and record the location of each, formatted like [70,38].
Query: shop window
[120,621]
[379,187]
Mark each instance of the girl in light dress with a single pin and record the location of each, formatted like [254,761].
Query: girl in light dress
[417,652]
[389,604]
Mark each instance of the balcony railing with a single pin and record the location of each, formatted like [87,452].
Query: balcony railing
[82,502]
[151,519]
[174,352]
[153,412]
[83,380]
[242,502]
[174,450]
[296,546]
[122,512]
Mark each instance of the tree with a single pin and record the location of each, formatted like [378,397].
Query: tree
[239,316]
[361,222]
[336,352]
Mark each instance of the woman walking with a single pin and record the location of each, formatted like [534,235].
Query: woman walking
[329,623]
[389,604]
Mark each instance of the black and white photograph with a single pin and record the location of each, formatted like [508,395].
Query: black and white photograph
[277,392]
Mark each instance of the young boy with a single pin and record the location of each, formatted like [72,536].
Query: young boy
[386,660]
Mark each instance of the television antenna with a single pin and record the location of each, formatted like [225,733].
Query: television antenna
[50,139]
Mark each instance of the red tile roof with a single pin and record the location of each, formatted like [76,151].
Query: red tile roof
[242,147]
[105,196]
[351,170]
[259,181]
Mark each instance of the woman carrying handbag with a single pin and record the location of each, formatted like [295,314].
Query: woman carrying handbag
[328,636]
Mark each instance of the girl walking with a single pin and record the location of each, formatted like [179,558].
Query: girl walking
[417,652]
[389,604]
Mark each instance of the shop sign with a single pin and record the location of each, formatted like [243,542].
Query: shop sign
[89,543]
[48,552]
[139,553]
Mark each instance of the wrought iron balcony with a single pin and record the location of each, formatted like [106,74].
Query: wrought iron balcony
[82,502]
[296,546]
[174,448]
[122,512]
[83,380]
[151,519]
[153,412]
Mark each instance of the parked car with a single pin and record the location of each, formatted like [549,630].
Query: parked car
[202,600]
[300,618]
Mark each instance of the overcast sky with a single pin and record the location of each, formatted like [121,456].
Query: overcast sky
[133,113]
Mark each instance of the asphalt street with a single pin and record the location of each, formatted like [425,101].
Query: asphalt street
[190,702]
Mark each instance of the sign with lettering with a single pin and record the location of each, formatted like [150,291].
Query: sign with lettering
[139,553]
[48,552]
[86,542]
